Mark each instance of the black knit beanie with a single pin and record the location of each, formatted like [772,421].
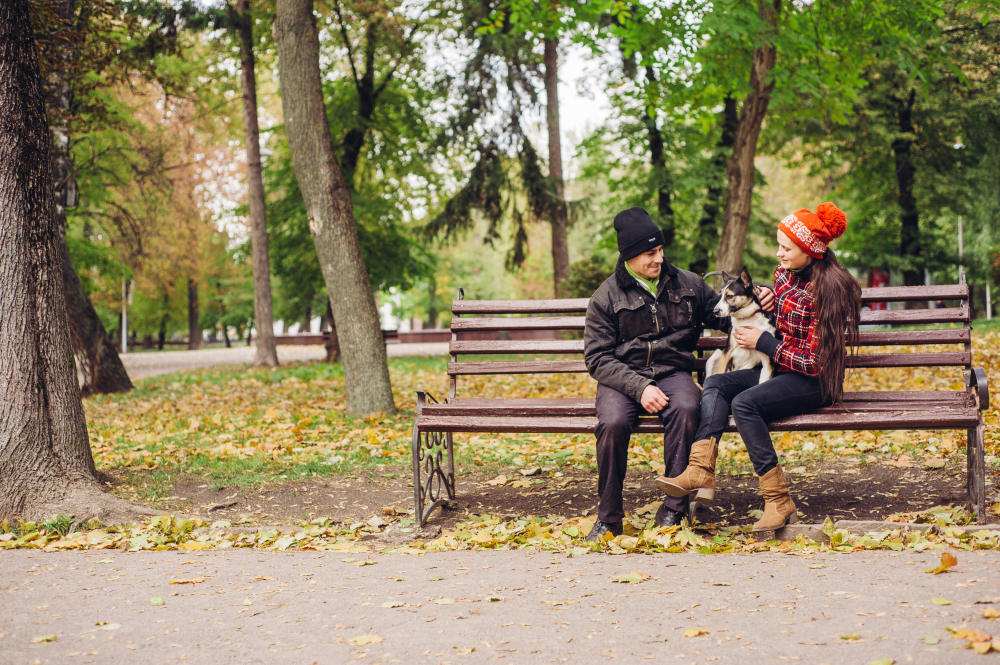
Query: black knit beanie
[636,233]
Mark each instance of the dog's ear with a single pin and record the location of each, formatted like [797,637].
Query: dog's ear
[745,278]
[726,277]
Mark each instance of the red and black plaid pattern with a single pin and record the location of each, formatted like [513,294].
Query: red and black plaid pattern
[798,350]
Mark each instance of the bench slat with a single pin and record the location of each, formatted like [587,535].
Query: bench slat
[957,418]
[944,359]
[571,305]
[554,306]
[568,346]
[586,406]
[900,316]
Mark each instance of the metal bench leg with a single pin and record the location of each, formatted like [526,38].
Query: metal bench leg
[433,457]
[976,471]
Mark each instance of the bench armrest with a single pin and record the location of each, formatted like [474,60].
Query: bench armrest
[978,383]
[423,397]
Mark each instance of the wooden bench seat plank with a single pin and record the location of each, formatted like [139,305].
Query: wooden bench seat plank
[489,323]
[957,418]
[554,306]
[916,316]
[583,406]
[571,305]
[898,316]
[571,346]
[865,360]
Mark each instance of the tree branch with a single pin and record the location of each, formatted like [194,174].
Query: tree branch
[347,42]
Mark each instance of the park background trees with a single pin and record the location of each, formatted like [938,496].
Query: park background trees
[446,120]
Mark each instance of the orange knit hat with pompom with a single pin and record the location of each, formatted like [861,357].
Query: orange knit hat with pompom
[813,231]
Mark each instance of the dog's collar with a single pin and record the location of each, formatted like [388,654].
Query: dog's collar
[756,311]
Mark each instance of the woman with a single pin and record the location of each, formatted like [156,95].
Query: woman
[817,303]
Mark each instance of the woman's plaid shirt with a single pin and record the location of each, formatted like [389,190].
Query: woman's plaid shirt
[798,350]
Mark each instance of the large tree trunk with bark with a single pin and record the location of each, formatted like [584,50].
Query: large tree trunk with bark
[46,467]
[97,361]
[194,323]
[909,234]
[267,351]
[558,216]
[660,174]
[740,170]
[331,211]
[707,239]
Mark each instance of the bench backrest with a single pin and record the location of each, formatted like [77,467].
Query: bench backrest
[520,323]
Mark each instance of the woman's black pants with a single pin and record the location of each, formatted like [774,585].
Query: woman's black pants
[753,405]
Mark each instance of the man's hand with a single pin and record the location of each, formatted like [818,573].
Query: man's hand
[746,337]
[653,399]
[767,299]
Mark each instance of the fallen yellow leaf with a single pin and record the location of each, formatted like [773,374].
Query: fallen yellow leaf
[193,580]
[694,632]
[362,640]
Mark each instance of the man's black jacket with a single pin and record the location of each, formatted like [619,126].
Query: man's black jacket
[633,339]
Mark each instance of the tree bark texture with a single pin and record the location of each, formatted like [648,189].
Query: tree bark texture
[740,170]
[909,233]
[267,351]
[330,211]
[46,466]
[660,175]
[558,220]
[194,327]
[100,368]
[707,239]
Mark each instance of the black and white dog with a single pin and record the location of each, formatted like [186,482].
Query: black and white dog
[740,302]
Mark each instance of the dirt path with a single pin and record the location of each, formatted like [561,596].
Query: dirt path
[828,489]
[144,365]
[520,607]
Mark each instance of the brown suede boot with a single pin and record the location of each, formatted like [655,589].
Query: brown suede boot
[779,509]
[699,476]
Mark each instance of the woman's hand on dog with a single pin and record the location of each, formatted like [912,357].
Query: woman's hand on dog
[747,337]
[766,299]
[653,399]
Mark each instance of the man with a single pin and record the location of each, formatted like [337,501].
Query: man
[642,326]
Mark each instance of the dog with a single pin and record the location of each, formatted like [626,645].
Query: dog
[741,303]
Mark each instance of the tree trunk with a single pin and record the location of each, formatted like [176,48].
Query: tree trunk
[46,467]
[161,337]
[331,211]
[100,368]
[225,336]
[267,352]
[707,239]
[558,216]
[194,329]
[909,234]
[740,170]
[332,344]
[660,175]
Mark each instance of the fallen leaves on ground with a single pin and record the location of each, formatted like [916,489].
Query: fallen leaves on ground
[634,577]
[948,560]
[484,532]
[362,640]
[294,416]
[694,632]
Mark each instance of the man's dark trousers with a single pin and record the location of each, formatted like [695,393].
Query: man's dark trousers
[617,416]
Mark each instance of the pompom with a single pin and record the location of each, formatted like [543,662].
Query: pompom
[833,219]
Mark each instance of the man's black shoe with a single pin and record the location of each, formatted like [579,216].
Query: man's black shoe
[666,517]
[601,528]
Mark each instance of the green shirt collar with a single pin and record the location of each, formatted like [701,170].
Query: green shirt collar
[648,284]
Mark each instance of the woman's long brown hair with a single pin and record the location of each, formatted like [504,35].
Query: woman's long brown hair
[838,312]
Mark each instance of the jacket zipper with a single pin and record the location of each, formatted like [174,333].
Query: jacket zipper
[649,354]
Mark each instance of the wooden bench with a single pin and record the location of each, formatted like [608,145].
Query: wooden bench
[433,455]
